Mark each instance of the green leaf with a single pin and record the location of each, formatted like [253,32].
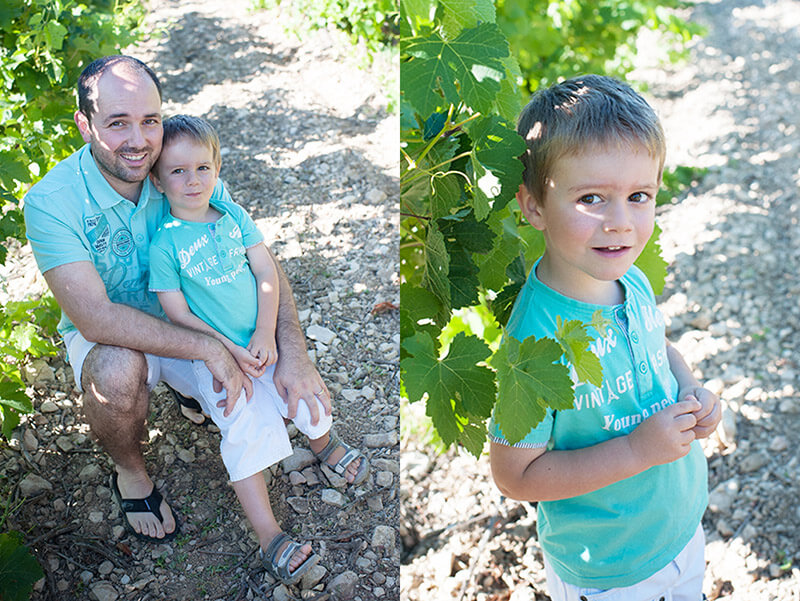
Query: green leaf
[529,380]
[13,396]
[497,170]
[437,266]
[503,303]
[463,14]
[447,194]
[456,386]
[19,570]
[473,437]
[574,340]
[651,262]
[506,248]
[468,233]
[463,276]
[55,34]
[441,72]
[420,304]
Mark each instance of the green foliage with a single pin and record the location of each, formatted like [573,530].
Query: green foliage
[559,39]
[676,181]
[25,327]
[18,568]
[374,22]
[465,251]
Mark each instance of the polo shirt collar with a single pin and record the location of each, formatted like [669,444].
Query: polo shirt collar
[102,192]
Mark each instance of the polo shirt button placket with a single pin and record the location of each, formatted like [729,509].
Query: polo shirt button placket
[642,367]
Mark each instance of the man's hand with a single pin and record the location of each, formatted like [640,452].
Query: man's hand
[710,412]
[227,375]
[296,378]
[666,435]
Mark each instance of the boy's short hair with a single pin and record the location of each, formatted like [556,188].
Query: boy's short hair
[579,112]
[194,128]
[87,81]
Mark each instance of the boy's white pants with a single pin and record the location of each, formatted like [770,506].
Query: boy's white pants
[680,580]
[254,435]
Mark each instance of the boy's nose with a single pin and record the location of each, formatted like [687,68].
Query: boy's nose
[618,218]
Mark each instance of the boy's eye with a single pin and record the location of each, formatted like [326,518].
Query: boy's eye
[203,168]
[639,197]
[177,171]
[590,199]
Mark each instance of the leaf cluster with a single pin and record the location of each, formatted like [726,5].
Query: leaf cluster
[465,251]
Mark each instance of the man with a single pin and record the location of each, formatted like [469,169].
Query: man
[89,222]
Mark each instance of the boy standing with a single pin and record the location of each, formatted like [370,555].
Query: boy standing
[212,273]
[620,481]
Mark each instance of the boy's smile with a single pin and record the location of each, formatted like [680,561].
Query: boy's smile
[597,215]
[186,174]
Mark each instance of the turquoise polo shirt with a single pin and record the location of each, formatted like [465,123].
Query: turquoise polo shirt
[625,532]
[73,214]
[208,263]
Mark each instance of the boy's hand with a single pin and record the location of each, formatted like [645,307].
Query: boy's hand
[666,435]
[249,364]
[710,412]
[262,346]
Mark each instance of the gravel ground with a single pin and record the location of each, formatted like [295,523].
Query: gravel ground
[304,130]
[732,309]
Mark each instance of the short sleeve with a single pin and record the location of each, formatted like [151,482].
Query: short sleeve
[53,239]
[164,270]
[538,437]
[251,235]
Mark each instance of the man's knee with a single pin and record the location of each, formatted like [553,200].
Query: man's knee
[115,373]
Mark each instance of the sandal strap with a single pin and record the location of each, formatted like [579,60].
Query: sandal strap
[350,455]
[333,443]
[151,503]
[279,566]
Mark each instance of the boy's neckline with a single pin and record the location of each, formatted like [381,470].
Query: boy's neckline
[212,215]
[623,292]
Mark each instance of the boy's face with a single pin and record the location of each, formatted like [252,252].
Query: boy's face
[596,217]
[186,174]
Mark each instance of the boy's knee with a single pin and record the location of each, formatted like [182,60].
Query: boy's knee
[114,372]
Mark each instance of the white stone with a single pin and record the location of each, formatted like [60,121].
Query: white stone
[333,497]
[32,484]
[383,537]
[298,460]
[320,334]
[103,591]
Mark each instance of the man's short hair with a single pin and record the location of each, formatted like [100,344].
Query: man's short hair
[87,82]
[193,128]
[578,114]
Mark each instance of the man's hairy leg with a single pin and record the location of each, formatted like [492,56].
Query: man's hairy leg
[115,401]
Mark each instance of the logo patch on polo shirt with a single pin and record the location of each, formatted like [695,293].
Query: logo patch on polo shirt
[122,243]
[98,232]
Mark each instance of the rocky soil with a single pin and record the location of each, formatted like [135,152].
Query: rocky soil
[731,302]
[308,148]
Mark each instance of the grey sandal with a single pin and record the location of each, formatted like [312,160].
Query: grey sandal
[350,455]
[278,566]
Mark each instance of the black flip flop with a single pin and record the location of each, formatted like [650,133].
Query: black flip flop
[151,504]
[189,403]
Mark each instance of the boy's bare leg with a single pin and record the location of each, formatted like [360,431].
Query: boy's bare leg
[116,401]
[320,443]
[254,497]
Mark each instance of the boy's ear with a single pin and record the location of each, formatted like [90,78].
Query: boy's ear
[530,207]
[82,121]
[156,181]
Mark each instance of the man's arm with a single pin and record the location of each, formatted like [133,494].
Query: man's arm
[295,375]
[539,475]
[81,294]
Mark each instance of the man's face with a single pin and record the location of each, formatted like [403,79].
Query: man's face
[125,131]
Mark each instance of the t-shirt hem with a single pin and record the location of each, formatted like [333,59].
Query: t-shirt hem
[519,445]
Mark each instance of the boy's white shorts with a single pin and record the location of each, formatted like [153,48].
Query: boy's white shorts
[254,435]
[680,580]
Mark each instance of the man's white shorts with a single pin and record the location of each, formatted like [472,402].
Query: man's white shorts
[254,435]
[680,580]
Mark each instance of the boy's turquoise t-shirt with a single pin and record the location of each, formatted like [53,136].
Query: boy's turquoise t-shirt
[208,263]
[623,533]
[73,214]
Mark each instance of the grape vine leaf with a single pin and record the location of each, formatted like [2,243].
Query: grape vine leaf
[574,339]
[446,194]
[19,570]
[468,67]
[497,170]
[437,266]
[652,263]
[493,264]
[529,380]
[458,388]
[463,277]
[463,14]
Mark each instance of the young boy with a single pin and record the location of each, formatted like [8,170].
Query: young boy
[620,481]
[212,272]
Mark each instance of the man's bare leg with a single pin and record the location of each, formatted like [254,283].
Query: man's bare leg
[116,401]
